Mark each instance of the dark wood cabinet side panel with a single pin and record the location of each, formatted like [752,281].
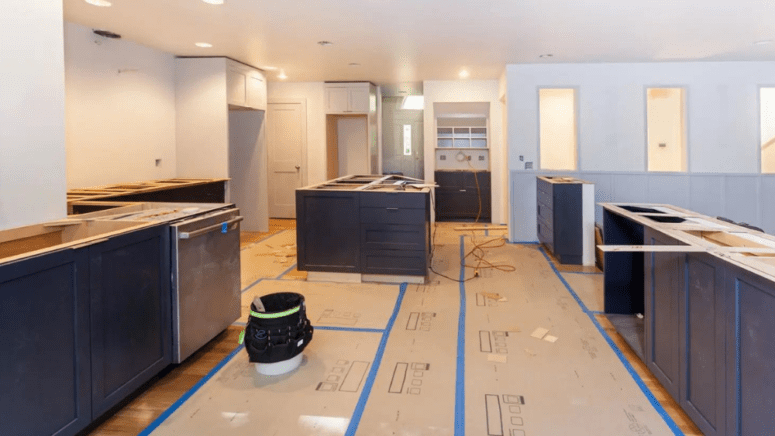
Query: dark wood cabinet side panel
[45,366]
[623,275]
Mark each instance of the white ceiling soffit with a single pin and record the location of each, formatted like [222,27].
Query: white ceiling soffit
[396,41]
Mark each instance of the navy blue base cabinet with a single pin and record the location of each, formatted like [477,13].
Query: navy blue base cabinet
[81,329]
[45,365]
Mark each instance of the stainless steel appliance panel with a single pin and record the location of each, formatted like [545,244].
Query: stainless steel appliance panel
[205,279]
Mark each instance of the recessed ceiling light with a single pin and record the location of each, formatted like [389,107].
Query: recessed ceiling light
[548,55]
[214,2]
[282,75]
[102,3]
[464,74]
[268,68]
[325,43]
[203,44]
[355,64]
[763,42]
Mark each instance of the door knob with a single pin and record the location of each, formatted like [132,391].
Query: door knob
[298,167]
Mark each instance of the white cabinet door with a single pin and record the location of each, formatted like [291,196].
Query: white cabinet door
[236,84]
[337,100]
[359,100]
[256,91]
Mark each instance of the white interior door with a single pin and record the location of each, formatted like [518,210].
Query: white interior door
[286,137]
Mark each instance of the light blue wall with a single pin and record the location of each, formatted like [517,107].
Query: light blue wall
[722,137]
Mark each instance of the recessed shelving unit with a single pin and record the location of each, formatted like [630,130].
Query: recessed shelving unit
[461,137]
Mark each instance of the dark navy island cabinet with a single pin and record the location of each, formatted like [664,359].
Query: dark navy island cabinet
[709,330]
[81,329]
[381,233]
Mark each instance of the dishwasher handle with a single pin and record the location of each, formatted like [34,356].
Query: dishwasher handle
[208,229]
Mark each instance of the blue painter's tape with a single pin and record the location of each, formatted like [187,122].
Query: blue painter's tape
[224,227]
[524,243]
[348,329]
[591,314]
[562,279]
[460,376]
[166,414]
[585,273]
[252,284]
[358,413]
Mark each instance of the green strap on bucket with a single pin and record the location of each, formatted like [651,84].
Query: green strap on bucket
[274,315]
[241,337]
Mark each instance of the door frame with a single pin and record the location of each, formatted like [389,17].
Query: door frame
[303,102]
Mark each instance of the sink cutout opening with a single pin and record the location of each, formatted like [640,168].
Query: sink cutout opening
[638,209]
[666,219]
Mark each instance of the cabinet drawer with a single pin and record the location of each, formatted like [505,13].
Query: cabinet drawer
[470,179]
[392,215]
[407,200]
[449,179]
[545,212]
[545,232]
[393,237]
[545,198]
[394,262]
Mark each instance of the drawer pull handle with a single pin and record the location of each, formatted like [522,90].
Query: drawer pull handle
[462,190]
[392,208]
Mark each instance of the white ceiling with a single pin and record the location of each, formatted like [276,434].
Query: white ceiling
[414,40]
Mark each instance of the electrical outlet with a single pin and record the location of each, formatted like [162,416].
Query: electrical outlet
[158,162]
[521,158]
[442,157]
[528,165]
[468,157]
[481,157]
[662,144]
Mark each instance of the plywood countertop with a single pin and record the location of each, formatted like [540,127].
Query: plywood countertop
[747,248]
[119,189]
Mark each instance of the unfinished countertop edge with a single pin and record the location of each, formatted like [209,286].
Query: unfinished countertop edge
[418,186]
[80,243]
[160,185]
[564,180]
[678,231]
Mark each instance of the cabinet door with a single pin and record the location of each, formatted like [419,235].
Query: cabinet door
[337,100]
[130,313]
[702,366]
[750,352]
[664,286]
[328,231]
[44,322]
[359,100]
[236,86]
[256,91]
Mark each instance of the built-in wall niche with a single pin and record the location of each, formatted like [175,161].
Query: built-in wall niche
[557,128]
[461,133]
[462,136]
[666,129]
[767,127]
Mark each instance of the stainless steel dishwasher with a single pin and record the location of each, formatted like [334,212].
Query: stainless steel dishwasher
[205,278]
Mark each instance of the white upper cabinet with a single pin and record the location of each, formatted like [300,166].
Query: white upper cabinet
[349,98]
[245,86]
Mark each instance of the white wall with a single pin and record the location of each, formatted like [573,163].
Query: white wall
[120,110]
[723,136]
[314,94]
[351,134]
[248,168]
[202,118]
[460,91]
[32,113]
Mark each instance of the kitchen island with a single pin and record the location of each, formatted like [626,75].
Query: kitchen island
[364,228]
[706,288]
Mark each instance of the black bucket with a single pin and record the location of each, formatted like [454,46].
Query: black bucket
[279,330]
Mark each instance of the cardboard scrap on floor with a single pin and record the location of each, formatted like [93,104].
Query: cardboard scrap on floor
[500,358]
